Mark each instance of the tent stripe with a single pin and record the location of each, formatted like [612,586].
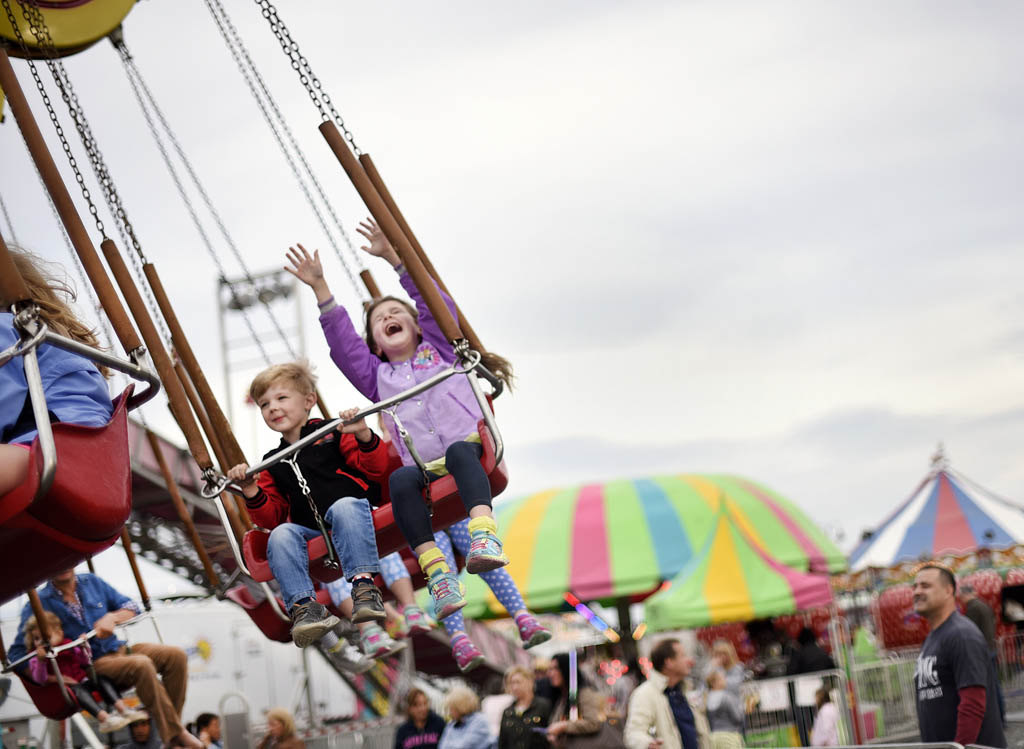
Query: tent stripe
[632,556]
[590,574]
[919,536]
[670,540]
[725,587]
[952,533]
[981,522]
[815,559]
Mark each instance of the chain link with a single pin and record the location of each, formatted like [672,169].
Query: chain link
[332,559]
[37,25]
[139,87]
[72,162]
[301,66]
[275,120]
[300,154]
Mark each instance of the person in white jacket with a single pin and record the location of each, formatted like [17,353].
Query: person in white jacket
[660,716]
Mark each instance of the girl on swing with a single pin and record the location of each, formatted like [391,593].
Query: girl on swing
[75,388]
[403,345]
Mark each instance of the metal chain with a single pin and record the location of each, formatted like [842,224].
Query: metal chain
[138,85]
[248,69]
[72,162]
[7,218]
[332,558]
[301,66]
[37,25]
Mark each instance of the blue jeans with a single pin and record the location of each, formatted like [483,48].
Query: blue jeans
[354,539]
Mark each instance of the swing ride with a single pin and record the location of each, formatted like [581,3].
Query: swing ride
[64,522]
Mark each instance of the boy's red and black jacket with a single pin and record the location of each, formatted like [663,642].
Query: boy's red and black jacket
[335,466]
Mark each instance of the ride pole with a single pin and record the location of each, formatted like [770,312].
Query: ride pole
[370,283]
[126,542]
[448,325]
[65,207]
[183,514]
[176,399]
[389,201]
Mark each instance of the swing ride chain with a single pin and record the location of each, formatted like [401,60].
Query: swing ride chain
[307,77]
[37,25]
[246,65]
[253,78]
[79,178]
[332,559]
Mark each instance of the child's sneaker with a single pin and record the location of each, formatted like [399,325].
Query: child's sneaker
[417,621]
[367,604]
[531,631]
[397,627]
[134,716]
[447,592]
[349,658]
[465,653]
[310,622]
[377,643]
[485,552]
[113,723]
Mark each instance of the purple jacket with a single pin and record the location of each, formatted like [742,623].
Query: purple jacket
[442,415]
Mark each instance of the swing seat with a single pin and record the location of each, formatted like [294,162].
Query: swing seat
[83,512]
[50,700]
[263,615]
[447,505]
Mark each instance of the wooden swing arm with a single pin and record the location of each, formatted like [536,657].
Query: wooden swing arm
[370,283]
[379,210]
[65,208]
[389,201]
[183,514]
[232,453]
[237,512]
[176,399]
[126,542]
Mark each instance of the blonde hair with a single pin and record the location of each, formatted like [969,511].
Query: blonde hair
[463,700]
[52,296]
[32,628]
[520,670]
[726,648]
[298,374]
[283,716]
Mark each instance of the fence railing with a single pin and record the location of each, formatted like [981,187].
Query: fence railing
[780,712]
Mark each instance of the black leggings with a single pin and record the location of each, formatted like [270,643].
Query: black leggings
[83,693]
[462,459]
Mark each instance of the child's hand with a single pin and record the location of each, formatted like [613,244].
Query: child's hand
[305,267]
[248,483]
[358,428]
[379,244]
[41,651]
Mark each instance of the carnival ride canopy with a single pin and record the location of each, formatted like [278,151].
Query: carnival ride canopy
[947,513]
[624,538]
[734,578]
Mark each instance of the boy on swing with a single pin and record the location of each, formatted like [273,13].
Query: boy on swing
[341,472]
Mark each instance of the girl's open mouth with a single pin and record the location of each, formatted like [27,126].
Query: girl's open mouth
[392,328]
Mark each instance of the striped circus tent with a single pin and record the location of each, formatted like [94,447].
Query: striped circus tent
[734,578]
[947,513]
[624,538]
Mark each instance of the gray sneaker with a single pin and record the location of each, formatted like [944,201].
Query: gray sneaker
[310,622]
[367,605]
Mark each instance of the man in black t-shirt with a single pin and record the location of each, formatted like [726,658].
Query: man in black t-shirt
[954,679]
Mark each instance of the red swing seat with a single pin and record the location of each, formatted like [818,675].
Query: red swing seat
[83,512]
[263,615]
[444,497]
[50,699]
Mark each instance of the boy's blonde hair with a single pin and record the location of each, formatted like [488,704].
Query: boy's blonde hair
[298,374]
[32,628]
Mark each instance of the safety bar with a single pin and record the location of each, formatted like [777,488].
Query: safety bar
[33,332]
[53,652]
[215,484]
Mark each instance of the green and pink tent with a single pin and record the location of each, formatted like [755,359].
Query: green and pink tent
[623,539]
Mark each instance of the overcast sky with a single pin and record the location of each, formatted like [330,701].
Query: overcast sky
[776,239]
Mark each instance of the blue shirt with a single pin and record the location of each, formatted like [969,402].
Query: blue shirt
[75,390]
[98,598]
[684,716]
